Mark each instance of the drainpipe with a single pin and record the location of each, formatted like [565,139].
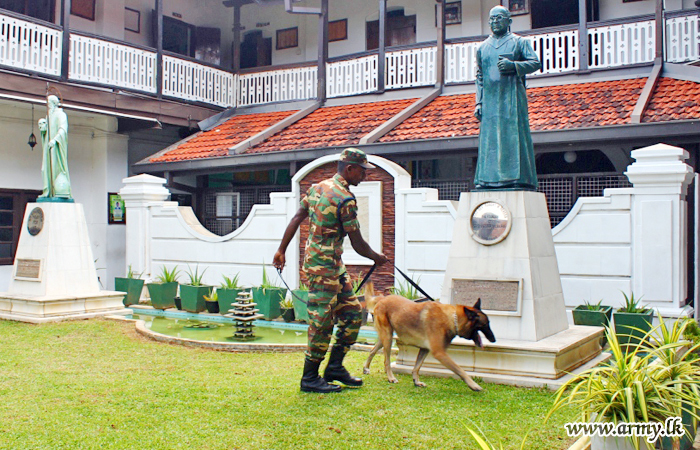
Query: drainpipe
[159,48]
[582,35]
[659,29]
[381,51]
[65,50]
[322,12]
[440,60]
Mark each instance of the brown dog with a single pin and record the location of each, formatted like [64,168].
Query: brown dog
[430,326]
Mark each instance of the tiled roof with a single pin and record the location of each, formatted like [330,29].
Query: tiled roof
[333,126]
[673,100]
[581,105]
[552,107]
[217,141]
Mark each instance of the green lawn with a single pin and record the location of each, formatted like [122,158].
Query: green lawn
[97,384]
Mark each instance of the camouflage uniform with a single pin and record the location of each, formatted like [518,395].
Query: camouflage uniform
[330,291]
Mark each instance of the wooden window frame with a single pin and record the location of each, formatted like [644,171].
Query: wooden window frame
[20,198]
[287,34]
[83,8]
[338,30]
[135,15]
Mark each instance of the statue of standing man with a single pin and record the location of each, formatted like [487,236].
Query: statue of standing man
[54,140]
[506,158]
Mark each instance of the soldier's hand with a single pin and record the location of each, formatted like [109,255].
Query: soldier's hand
[380,259]
[279,260]
[477,112]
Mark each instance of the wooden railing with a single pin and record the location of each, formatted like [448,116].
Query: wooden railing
[36,46]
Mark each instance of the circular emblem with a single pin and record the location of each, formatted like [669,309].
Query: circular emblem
[36,221]
[490,223]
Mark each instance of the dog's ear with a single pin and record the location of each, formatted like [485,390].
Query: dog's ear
[477,305]
[471,315]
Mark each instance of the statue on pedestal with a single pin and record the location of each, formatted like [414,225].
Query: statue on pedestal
[54,140]
[506,156]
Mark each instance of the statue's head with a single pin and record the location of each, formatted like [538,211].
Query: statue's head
[499,20]
[52,101]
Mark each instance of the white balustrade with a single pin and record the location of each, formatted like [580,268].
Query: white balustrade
[682,39]
[623,44]
[197,82]
[460,62]
[277,85]
[352,76]
[97,61]
[30,46]
[410,68]
[558,51]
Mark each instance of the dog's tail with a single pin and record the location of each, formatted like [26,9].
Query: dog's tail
[370,299]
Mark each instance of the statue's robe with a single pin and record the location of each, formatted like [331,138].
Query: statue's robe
[54,167]
[506,157]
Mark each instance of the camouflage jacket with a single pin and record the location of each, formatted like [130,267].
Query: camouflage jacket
[325,245]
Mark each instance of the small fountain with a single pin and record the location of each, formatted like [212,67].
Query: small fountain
[244,314]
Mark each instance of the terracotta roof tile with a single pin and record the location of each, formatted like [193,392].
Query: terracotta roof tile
[217,141]
[333,126]
[673,100]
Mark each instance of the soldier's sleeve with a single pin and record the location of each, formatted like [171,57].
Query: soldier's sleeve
[348,216]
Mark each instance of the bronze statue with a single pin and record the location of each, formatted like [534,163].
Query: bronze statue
[506,156]
[54,140]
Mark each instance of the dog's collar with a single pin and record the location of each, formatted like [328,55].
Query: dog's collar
[456,324]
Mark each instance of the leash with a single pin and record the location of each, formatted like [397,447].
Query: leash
[291,291]
[413,283]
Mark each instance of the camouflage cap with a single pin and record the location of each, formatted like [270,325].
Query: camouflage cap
[355,156]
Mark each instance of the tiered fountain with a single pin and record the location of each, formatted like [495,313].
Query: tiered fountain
[244,314]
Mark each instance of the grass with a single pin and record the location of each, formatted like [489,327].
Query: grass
[98,384]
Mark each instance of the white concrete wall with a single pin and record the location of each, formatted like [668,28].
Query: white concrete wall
[97,162]
[629,240]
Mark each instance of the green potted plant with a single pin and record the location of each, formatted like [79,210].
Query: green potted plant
[287,308]
[301,300]
[164,289]
[228,292]
[632,321]
[192,294]
[132,285]
[268,297]
[593,314]
[635,385]
[212,302]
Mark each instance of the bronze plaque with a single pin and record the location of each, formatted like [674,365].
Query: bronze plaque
[494,295]
[35,222]
[490,223]
[28,268]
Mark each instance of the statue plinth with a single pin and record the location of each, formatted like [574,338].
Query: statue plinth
[54,276]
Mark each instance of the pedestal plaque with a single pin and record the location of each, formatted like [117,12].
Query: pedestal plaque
[495,295]
[28,269]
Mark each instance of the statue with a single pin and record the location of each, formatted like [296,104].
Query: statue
[506,156]
[54,140]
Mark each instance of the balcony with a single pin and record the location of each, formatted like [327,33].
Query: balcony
[36,47]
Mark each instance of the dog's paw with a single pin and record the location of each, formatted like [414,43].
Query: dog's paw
[419,384]
[475,387]
[393,380]
[365,370]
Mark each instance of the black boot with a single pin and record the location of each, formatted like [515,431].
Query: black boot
[335,370]
[312,382]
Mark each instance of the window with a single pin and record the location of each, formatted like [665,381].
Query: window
[39,9]
[12,205]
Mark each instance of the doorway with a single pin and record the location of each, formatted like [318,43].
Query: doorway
[554,13]
[256,51]
[400,30]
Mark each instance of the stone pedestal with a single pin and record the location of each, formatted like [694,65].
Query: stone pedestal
[54,276]
[503,253]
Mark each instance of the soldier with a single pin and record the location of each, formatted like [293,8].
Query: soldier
[330,291]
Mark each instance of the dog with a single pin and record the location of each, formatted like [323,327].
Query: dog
[430,326]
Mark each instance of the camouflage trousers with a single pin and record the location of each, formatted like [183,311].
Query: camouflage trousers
[332,300]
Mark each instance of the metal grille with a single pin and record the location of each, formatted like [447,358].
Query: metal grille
[561,191]
[247,197]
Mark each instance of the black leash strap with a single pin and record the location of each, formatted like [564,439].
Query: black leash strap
[414,285]
[364,280]
[279,272]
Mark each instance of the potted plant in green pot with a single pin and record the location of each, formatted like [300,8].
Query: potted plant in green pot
[212,302]
[632,321]
[287,308]
[635,385]
[227,292]
[268,296]
[593,314]
[301,301]
[132,285]
[164,289]
[192,294]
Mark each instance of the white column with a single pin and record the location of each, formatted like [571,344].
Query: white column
[141,193]
[659,226]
